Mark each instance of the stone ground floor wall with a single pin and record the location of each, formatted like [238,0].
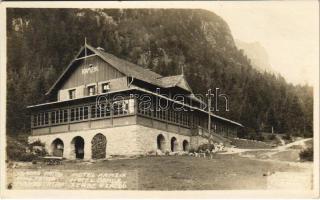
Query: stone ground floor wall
[124,140]
[147,139]
[196,141]
[119,141]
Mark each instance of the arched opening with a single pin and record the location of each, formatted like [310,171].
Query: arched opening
[57,147]
[174,144]
[99,146]
[77,144]
[161,142]
[185,145]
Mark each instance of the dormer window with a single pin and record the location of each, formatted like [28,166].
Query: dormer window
[105,87]
[91,90]
[72,94]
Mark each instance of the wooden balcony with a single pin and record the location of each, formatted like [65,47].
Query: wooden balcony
[119,113]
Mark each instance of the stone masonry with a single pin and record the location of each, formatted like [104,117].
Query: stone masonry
[122,140]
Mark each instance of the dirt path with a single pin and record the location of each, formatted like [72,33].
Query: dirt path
[281,140]
[288,154]
[269,152]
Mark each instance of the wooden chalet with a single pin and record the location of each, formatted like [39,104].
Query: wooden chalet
[103,105]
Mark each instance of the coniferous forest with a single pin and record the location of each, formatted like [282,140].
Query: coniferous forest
[42,42]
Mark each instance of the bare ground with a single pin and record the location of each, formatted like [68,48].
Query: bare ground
[188,173]
[276,168]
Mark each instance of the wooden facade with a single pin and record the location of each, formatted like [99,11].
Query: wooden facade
[93,70]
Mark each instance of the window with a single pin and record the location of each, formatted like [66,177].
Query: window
[53,117]
[64,117]
[85,112]
[117,108]
[41,119]
[105,87]
[91,90]
[35,120]
[104,110]
[93,111]
[80,113]
[73,113]
[121,107]
[72,94]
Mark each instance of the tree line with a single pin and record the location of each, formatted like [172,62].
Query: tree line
[41,43]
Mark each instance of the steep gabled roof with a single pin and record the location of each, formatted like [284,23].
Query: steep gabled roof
[64,72]
[126,67]
[129,69]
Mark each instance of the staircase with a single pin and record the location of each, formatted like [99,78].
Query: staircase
[214,136]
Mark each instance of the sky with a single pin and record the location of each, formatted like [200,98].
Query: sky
[288,30]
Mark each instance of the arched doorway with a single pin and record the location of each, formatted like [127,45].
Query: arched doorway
[161,142]
[174,144]
[99,146]
[185,145]
[77,144]
[57,147]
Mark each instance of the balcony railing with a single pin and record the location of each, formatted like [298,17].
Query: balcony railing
[82,113]
[180,118]
[126,107]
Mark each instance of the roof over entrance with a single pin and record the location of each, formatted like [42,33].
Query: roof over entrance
[175,81]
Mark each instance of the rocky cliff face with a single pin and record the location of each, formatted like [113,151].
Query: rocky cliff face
[257,54]
[165,39]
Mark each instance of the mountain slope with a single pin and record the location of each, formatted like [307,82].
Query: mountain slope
[41,42]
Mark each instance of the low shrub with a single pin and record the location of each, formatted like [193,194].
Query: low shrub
[151,152]
[251,136]
[296,147]
[18,154]
[260,138]
[19,151]
[308,134]
[287,137]
[306,154]
[36,143]
[272,137]
[192,150]
[38,149]
[204,147]
[256,136]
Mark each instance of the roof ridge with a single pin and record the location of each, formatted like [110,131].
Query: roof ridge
[181,78]
[125,61]
[171,76]
[127,68]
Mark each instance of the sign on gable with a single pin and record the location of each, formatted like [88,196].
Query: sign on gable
[90,70]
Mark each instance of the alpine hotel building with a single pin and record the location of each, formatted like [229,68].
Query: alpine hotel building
[99,109]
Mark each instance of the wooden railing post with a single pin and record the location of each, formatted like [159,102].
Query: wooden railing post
[111,112]
[89,115]
[135,105]
[49,121]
